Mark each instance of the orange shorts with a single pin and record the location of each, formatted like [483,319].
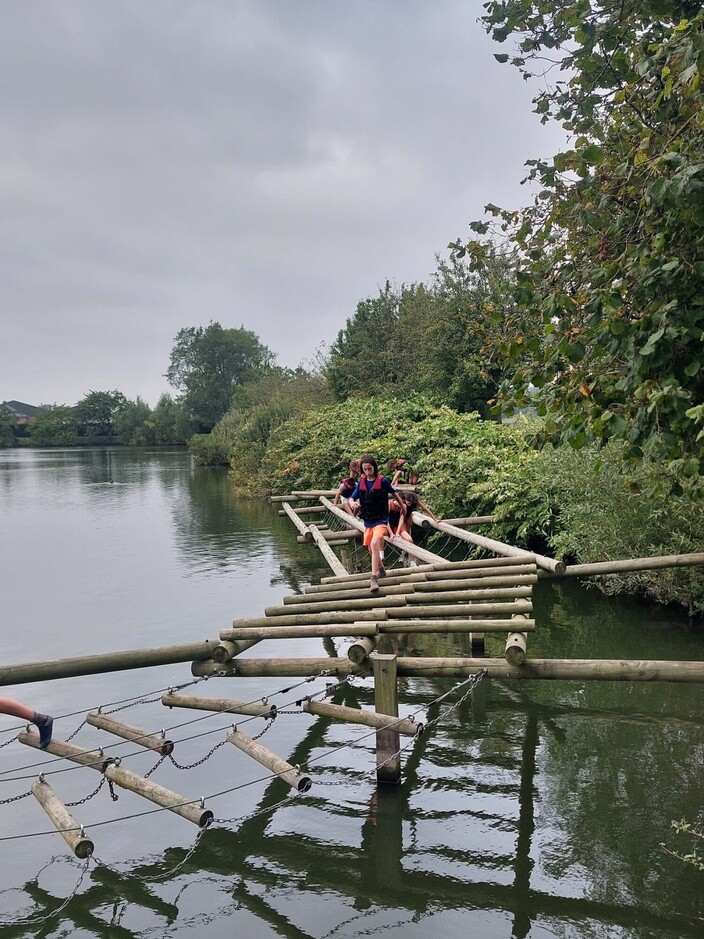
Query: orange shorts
[376,532]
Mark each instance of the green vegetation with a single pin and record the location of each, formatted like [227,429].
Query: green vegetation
[610,284]
[207,366]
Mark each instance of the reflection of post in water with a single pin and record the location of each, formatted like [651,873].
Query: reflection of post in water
[523,865]
[382,839]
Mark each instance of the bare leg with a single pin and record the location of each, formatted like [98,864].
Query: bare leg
[44,722]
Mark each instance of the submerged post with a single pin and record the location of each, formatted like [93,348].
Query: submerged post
[388,746]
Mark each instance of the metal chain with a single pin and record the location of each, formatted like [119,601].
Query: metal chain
[8,742]
[198,762]
[191,851]
[113,795]
[15,798]
[156,766]
[94,793]
[80,726]
[269,724]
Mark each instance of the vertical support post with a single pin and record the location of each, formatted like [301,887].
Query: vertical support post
[388,756]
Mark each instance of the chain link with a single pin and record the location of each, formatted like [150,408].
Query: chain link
[8,742]
[71,736]
[156,765]
[15,798]
[197,762]
[93,793]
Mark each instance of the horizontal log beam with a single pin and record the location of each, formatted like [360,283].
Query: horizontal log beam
[543,669]
[107,662]
[631,564]
[339,712]
[371,629]
[149,741]
[226,705]
[443,565]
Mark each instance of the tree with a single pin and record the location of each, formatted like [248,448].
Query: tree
[611,281]
[96,413]
[55,426]
[7,427]
[129,420]
[208,364]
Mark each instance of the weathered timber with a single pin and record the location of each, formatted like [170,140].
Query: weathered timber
[275,764]
[107,662]
[443,565]
[632,564]
[348,616]
[424,574]
[396,577]
[395,600]
[388,746]
[471,520]
[307,510]
[498,547]
[332,537]
[549,669]
[312,493]
[334,563]
[95,759]
[61,818]
[149,741]
[358,593]
[515,651]
[298,522]
[360,649]
[227,705]
[339,712]
[126,779]
[461,609]
[372,628]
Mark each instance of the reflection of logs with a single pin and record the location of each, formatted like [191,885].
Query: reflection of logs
[63,821]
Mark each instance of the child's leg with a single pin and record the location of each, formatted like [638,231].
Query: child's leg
[15,709]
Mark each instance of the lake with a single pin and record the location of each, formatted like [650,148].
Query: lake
[528,809]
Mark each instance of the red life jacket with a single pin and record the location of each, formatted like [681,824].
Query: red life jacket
[347,486]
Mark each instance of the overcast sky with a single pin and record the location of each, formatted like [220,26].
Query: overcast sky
[262,163]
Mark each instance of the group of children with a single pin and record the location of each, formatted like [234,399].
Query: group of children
[385,511]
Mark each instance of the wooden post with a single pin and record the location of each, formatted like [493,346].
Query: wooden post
[63,821]
[298,522]
[149,741]
[339,712]
[335,564]
[279,767]
[515,652]
[388,755]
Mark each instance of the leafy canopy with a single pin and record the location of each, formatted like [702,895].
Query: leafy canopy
[611,282]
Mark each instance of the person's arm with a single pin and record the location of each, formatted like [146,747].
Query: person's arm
[428,511]
[336,500]
[395,478]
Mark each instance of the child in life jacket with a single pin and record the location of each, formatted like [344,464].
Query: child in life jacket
[405,523]
[402,472]
[373,492]
[348,484]
[44,722]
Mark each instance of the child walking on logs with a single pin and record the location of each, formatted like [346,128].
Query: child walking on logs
[44,722]
[373,492]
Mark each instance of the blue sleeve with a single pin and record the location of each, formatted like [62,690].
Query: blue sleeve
[355,494]
[386,486]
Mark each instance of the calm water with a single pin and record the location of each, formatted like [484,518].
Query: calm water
[533,809]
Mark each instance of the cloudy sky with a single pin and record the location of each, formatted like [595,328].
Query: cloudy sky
[262,163]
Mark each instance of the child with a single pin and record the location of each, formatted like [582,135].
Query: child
[411,504]
[44,722]
[398,468]
[349,484]
[373,492]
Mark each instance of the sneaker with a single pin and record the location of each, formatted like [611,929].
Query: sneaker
[374,584]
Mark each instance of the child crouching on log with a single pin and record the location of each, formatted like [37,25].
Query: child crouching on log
[44,722]
[373,492]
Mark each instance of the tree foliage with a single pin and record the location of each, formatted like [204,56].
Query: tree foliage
[7,427]
[611,280]
[433,338]
[96,413]
[208,364]
[55,426]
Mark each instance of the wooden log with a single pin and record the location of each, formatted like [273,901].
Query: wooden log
[359,593]
[498,547]
[61,818]
[492,574]
[348,616]
[424,574]
[94,759]
[548,669]
[313,493]
[515,651]
[371,601]
[469,594]
[332,537]
[307,510]
[460,609]
[632,564]
[372,628]
[388,745]
[446,566]
[471,520]
[360,649]
[275,764]
[107,662]
[298,522]
[126,779]
[476,583]
[155,742]
[334,563]
[228,705]
[396,577]
[356,716]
